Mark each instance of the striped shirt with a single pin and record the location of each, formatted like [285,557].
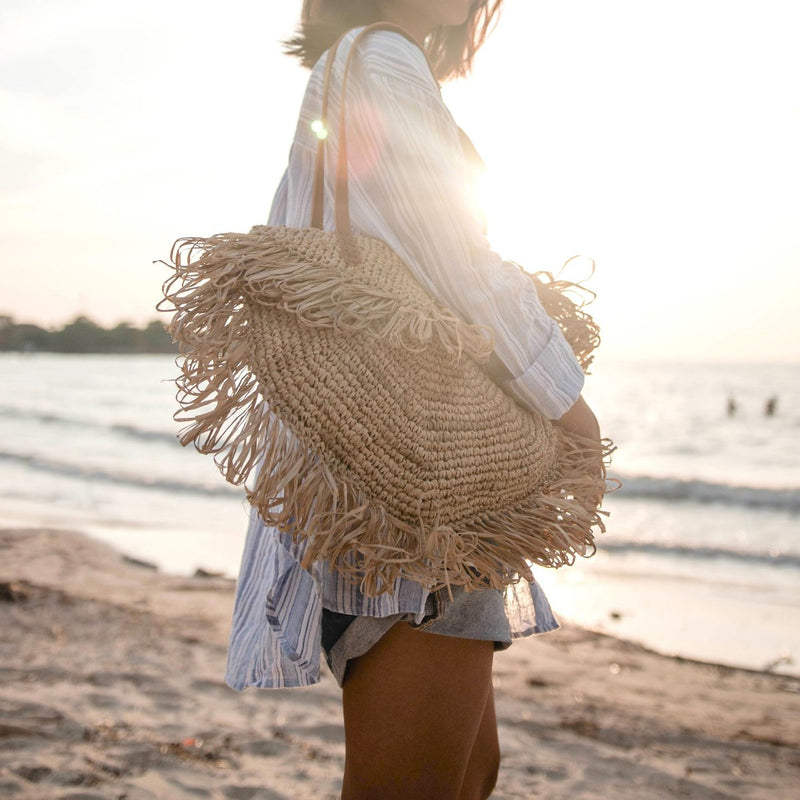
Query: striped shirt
[408,179]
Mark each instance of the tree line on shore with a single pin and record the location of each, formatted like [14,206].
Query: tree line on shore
[82,335]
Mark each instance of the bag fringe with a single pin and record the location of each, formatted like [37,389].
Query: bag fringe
[579,328]
[260,267]
[301,495]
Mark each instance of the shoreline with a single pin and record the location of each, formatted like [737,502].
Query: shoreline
[597,594]
[112,685]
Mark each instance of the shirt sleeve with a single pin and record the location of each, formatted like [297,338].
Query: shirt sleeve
[279,209]
[409,186]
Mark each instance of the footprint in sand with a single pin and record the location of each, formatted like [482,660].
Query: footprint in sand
[251,793]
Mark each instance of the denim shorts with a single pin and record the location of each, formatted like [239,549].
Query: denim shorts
[468,615]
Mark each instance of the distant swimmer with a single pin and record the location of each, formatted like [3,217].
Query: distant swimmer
[731,405]
[771,406]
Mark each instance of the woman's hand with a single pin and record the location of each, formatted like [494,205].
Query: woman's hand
[580,420]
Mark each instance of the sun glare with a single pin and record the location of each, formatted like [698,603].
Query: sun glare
[497,204]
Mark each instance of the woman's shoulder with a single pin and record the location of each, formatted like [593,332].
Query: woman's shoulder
[391,55]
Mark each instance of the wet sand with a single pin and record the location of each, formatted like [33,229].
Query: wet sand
[111,687]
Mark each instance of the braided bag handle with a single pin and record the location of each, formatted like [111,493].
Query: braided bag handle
[341,194]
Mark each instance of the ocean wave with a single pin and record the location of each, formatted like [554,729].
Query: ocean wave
[101,475]
[646,486]
[144,433]
[132,431]
[702,552]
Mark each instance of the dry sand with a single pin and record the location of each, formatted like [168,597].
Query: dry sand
[111,687]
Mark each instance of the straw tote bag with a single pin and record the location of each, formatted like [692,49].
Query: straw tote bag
[314,361]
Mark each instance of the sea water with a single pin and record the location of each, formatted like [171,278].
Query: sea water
[701,556]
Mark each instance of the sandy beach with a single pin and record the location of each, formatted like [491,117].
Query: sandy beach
[112,688]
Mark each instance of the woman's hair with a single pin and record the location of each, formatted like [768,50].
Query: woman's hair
[450,49]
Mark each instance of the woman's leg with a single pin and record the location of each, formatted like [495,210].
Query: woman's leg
[419,719]
[484,760]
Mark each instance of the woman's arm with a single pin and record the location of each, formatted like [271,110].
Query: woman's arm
[408,186]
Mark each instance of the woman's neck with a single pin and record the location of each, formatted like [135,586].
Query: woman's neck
[416,25]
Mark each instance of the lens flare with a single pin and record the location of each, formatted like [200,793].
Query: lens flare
[319,129]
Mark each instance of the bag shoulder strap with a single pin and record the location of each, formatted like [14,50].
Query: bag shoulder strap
[341,193]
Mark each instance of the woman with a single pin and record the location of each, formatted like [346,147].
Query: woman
[415,667]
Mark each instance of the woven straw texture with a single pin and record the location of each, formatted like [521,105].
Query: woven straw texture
[381,438]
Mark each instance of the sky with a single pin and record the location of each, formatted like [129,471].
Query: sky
[658,139]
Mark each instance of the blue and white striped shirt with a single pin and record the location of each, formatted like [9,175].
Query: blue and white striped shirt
[408,178]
